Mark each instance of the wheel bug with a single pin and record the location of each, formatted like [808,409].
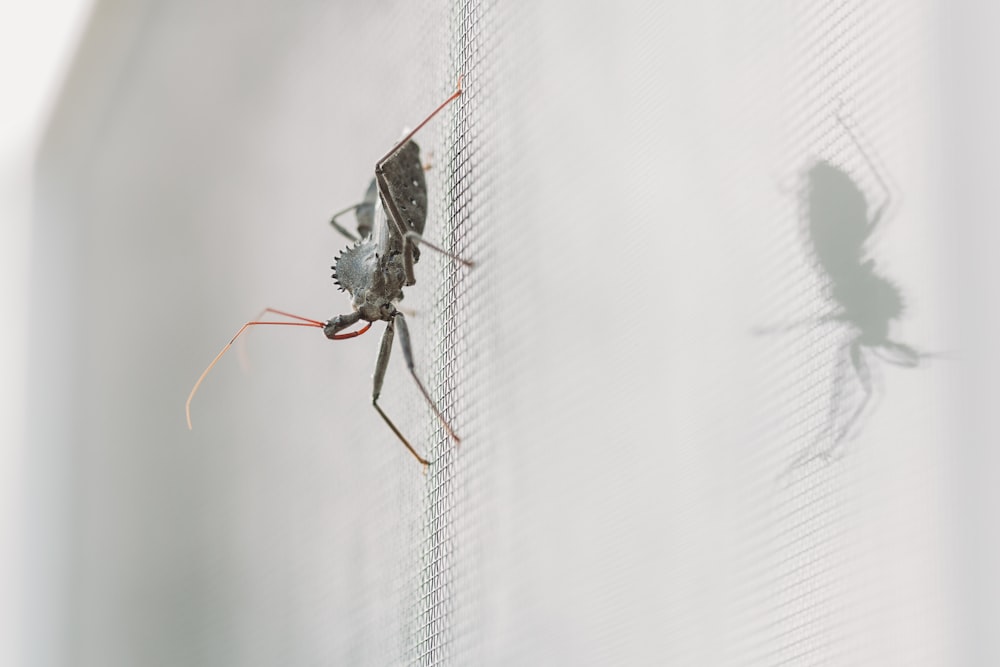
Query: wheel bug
[836,220]
[376,267]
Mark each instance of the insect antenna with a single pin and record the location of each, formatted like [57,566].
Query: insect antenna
[303,322]
[454,96]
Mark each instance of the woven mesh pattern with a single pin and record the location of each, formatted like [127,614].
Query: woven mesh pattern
[448,614]
[530,357]
[816,605]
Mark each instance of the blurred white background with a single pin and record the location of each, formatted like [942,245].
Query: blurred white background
[629,181]
[36,43]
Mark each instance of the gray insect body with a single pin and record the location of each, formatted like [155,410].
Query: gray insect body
[373,279]
[378,265]
[376,268]
[372,270]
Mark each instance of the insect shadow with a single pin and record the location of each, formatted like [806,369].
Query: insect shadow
[837,220]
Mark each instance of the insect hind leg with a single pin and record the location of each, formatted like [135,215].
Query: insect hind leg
[404,343]
[417,239]
[382,363]
[385,349]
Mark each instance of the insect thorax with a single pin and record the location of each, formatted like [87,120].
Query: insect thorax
[375,283]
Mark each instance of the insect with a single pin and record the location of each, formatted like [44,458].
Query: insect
[374,269]
[836,220]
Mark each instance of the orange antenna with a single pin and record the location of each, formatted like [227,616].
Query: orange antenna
[401,142]
[304,322]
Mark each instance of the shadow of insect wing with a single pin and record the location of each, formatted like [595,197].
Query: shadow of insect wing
[838,222]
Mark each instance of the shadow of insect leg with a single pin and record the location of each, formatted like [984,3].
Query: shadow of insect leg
[334,325]
[826,442]
[899,354]
[792,326]
[837,383]
[823,444]
[385,349]
[879,214]
[860,365]
[404,342]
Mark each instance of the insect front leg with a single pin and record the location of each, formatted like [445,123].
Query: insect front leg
[381,364]
[364,211]
[338,323]
[340,228]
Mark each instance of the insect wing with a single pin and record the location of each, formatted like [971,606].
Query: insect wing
[407,186]
[382,236]
[365,212]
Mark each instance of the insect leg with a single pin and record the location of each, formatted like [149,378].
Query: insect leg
[384,350]
[364,211]
[343,230]
[417,239]
[404,342]
[335,324]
